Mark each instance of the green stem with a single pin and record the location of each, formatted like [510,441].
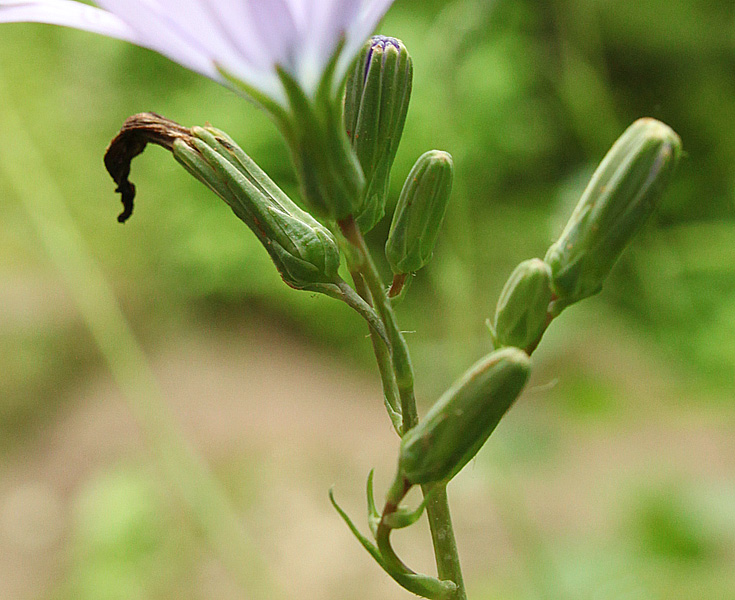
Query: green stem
[23,166]
[549,318]
[382,355]
[442,535]
[437,508]
[342,291]
[400,358]
[398,286]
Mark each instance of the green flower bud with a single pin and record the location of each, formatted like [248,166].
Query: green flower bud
[623,192]
[520,317]
[420,212]
[376,104]
[304,251]
[460,422]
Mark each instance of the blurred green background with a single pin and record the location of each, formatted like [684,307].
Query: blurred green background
[613,477]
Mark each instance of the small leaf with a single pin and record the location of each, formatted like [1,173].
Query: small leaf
[421,585]
[405,517]
[373,514]
[366,543]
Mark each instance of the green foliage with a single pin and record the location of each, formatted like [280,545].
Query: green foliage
[123,544]
[533,88]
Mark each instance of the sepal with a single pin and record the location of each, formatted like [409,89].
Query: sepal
[329,173]
[421,585]
[304,251]
[373,513]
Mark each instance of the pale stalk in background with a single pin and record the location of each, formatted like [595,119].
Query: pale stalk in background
[185,471]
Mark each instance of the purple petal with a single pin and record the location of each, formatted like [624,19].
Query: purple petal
[202,33]
[359,29]
[277,31]
[67,14]
[248,38]
[175,33]
[327,24]
[74,14]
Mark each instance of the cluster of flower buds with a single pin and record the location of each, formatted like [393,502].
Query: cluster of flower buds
[344,168]
[344,173]
[377,95]
[623,192]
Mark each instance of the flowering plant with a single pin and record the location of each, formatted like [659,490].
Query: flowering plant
[341,103]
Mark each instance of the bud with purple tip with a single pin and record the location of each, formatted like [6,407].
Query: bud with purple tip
[376,103]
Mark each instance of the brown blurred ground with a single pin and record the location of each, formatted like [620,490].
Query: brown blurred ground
[282,421]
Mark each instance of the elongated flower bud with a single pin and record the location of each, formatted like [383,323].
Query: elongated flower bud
[520,317]
[621,195]
[420,212]
[304,251]
[376,103]
[460,422]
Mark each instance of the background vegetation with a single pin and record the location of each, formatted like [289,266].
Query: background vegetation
[614,477]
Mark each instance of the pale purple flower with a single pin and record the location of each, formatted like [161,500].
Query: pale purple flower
[246,39]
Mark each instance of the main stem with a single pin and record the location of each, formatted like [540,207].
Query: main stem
[437,509]
[442,535]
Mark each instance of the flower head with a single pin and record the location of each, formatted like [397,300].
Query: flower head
[244,40]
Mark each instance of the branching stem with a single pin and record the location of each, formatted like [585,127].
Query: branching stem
[445,547]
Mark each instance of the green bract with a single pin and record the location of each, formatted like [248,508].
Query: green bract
[460,422]
[376,103]
[522,308]
[621,195]
[331,179]
[304,251]
[420,212]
